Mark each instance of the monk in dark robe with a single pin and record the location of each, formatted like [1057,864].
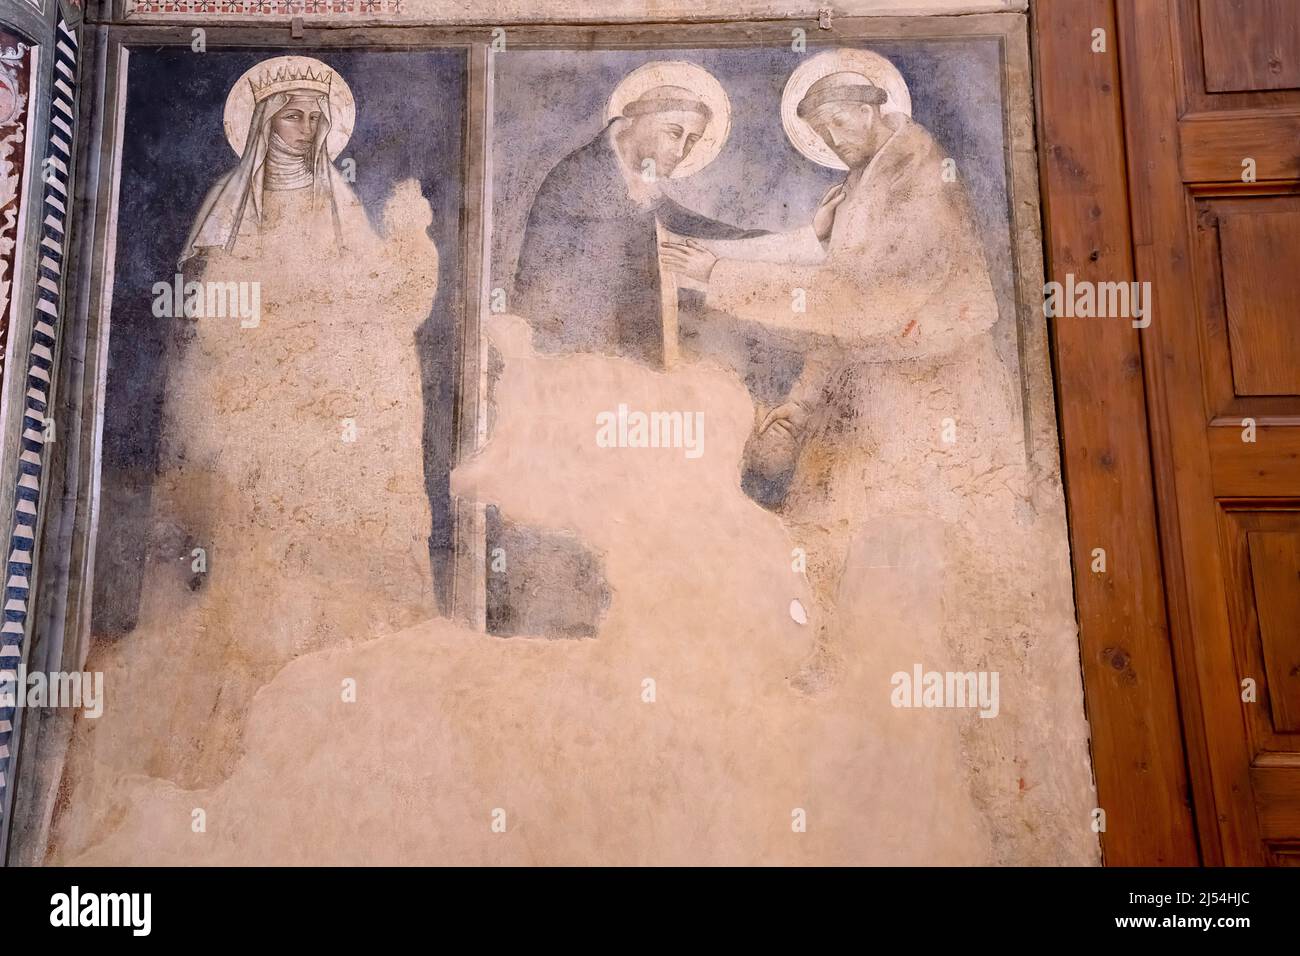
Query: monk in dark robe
[588,276]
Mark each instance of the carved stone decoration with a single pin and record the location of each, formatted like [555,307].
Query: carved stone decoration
[14,65]
[263,8]
[439,11]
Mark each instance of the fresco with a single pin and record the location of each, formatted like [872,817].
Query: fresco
[770,546]
[834,323]
[281,375]
[832,229]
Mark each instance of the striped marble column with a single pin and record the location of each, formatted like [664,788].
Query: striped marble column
[39,364]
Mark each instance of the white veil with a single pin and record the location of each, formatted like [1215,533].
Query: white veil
[233,208]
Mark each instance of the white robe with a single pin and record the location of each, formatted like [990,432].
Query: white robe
[913,407]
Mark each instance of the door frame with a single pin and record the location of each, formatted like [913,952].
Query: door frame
[1149,751]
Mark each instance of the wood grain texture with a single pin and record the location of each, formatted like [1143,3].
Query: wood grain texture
[1215,145]
[1189,49]
[1260,257]
[1279,804]
[1202,455]
[1275,568]
[1162,214]
[1138,756]
[1250,45]
[1270,465]
[1243,520]
[1217,361]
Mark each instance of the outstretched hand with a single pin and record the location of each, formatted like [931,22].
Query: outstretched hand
[687,257]
[787,420]
[773,449]
[824,217]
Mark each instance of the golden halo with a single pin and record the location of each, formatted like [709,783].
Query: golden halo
[239,103]
[691,77]
[873,66]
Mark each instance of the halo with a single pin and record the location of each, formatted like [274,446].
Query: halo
[239,104]
[873,66]
[691,77]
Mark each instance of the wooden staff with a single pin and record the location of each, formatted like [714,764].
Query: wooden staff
[667,300]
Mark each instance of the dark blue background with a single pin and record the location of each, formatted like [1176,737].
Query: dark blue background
[547,103]
[409,124]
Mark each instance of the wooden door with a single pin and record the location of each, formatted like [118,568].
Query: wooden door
[1211,106]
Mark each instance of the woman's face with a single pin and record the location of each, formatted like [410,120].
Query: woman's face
[297,122]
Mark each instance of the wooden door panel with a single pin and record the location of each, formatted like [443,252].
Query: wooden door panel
[1250,339]
[1285,856]
[1199,195]
[1269,466]
[1260,541]
[1275,571]
[1264,55]
[1200,36]
[1214,146]
[1260,257]
[1278,806]
[1213,127]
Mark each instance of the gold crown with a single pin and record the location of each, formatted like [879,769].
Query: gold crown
[289,78]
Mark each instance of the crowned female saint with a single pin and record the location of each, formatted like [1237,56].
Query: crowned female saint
[286,120]
[289,511]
